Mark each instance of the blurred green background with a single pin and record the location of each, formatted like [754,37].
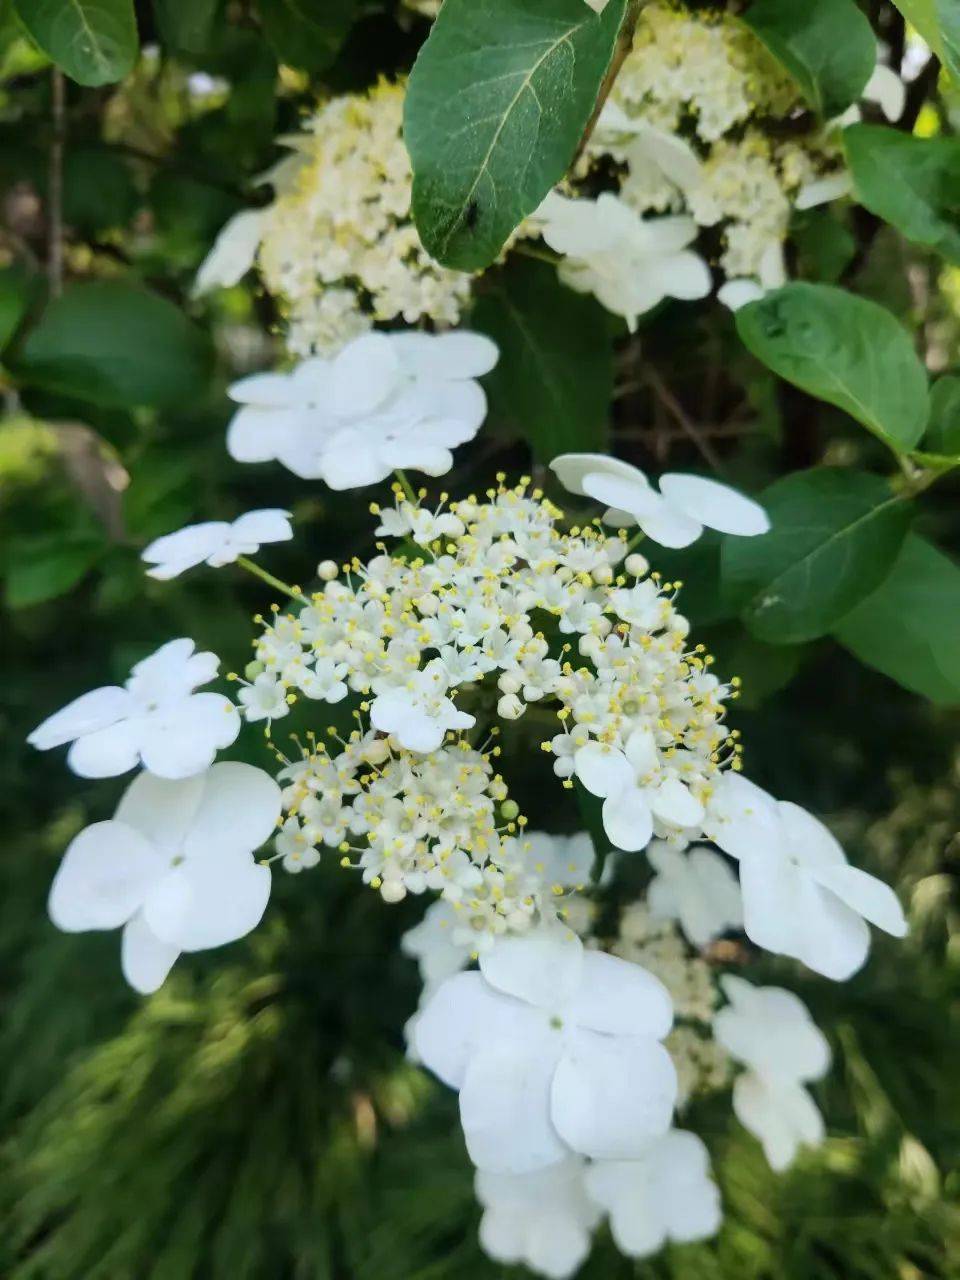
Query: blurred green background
[257,1118]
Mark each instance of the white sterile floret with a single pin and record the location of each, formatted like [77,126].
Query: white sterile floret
[541,1219]
[215,542]
[174,868]
[801,898]
[156,719]
[386,401]
[552,1049]
[676,515]
[666,1194]
[629,263]
[566,861]
[233,254]
[697,889]
[771,1032]
[434,944]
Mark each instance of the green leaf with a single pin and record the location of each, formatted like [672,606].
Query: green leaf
[765,669]
[554,378]
[825,248]
[99,193]
[913,183]
[943,429]
[186,26]
[17,289]
[307,33]
[938,21]
[826,45]
[498,100]
[47,566]
[118,346]
[93,41]
[843,349]
[835,535]
[909,628]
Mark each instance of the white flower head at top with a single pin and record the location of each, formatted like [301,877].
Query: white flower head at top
[801,898]
[385,401]
[771,1032]
[552,1049]
[157,718]
[215,542]
[174,868]
[542,1219]
[418,713]
[629,263]
[665,1194]
[697,889]
[675,516]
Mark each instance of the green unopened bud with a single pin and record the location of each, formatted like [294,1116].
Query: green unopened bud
[510,810]
[253,669]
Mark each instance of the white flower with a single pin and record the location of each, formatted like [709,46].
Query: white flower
[215,542]
[233,252]
[541,1219]
[800,896]
[174,867]
[156,719]
[771,274]
[419,713]
[552,1049]
[386,401]
[770,1030]
[432,944]
[635,790]
[561,860]
[325,680]
[823,190]
[665,1194]
[629,263]
[265,698]
[647,147]
[294,848]
[675,516]
[780,1114]
[697,888]
[887,90]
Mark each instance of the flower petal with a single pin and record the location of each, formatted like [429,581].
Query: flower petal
[627,820]
[866,895]
[162,809]
[611,1096]
[464,1014]
[604,771]
[620,998]
[239,808]
[108,752]
[233,252]
[95,710]
[446,356]
[144,959]
[571,468]
[210,900]
[542,968]
[505,1104]
[183,739]
[669,527]
[673,802]
[363,375]
[270,525]
[631,494]
[715,505]
[104,877]
[782,1117]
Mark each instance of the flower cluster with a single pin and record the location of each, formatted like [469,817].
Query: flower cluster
[337,247]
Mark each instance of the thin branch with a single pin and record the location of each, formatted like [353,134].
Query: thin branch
[676,410]
[620,50]
[55,185]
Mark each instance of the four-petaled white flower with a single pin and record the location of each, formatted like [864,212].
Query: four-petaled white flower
[174,868]
[386,401]
[553,1049]
[771,1032]
[264,698]
[697,888]
[635,789]
[157,718]
[419,713]
[665,1194]
[422,525]
[541,1219]
[215,542]
[561,860]
[801,898]
[674,517]
[629,263]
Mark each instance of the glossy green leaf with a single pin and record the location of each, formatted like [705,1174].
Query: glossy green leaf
[909,628]
[307,33]
[47,566]
[118,346]
[497,102]
[943,429]
[826,45]
[93,41]
[554,378]
[186,26]
[912,183]
[834,537]
[843,349]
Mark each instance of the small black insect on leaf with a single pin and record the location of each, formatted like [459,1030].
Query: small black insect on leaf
[472,215]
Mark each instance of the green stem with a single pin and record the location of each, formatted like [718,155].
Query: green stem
[270,580]
[406,485]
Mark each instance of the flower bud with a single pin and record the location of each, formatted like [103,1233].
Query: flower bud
[636,565]
[393,891]
[603,575]
[509,683]
[327,570]
[510,810]
[510,707]
[253,669]
[428,605]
